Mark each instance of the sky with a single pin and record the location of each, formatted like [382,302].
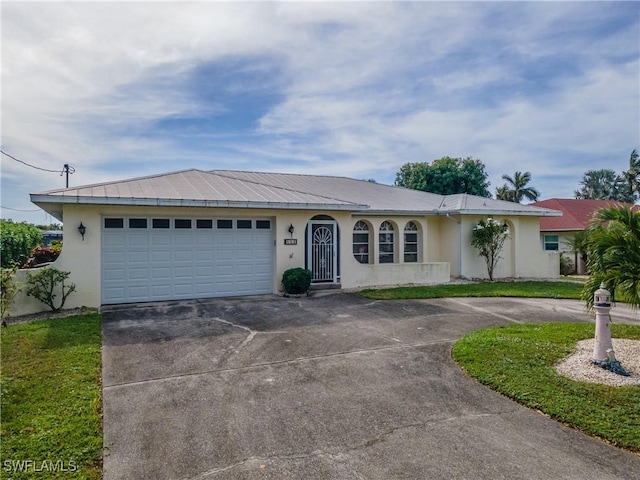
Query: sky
[356,89]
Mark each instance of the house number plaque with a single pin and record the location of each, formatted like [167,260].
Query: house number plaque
[290,241]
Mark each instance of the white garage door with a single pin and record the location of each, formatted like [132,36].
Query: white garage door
[158,258]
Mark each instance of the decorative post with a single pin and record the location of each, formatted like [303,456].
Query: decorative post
[602,347]
[603,354]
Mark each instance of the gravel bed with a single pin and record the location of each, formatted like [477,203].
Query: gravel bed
[578,366]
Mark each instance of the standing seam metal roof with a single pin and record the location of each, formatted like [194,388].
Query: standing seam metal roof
[277,190]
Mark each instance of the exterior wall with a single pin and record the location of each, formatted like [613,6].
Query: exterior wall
[426,271]
[439,248]
[450,242]
[522,256]
[564,239]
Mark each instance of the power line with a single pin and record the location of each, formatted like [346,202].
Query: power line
[33,166]
[19,210]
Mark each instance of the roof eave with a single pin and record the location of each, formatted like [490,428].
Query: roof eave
[484,211]
[43,199]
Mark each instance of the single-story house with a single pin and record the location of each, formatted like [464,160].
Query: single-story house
[195,234]
[557,233]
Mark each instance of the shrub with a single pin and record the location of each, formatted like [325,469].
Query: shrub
[17,240]
[9,288]
[296,280]
[42,285]
[40,255]
[566,265]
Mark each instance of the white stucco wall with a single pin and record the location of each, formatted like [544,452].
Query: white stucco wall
[522,256]
[564,239]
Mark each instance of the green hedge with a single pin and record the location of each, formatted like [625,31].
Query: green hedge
[17,240]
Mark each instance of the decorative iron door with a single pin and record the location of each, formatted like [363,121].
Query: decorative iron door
[322,251]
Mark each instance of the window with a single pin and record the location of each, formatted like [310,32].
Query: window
[361,242]
[411,243]
[160,223]
[386,241]
[204,223]
[137,223]
[551,243]
[263,224]
[243,223]
[224,223]
[114,223]
[182,223]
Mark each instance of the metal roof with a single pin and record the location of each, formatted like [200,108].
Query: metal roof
[226,188]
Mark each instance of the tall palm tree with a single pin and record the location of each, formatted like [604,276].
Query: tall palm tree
[613,254]
[632,176]
[516,188]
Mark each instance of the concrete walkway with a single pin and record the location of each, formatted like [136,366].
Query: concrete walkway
[327,387]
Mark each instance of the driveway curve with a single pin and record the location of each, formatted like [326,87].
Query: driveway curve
[331,386]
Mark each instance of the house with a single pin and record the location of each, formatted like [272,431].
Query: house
[557,233]
[195,234]
[48,236]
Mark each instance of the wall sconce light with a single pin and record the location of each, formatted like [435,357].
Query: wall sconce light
[82,229]
[291,229]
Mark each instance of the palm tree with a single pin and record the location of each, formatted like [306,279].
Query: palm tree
[604,184]
[632,176]
[613,254]
[516,188]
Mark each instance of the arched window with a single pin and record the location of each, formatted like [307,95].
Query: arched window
[387,243]
[361,242]
[411,243]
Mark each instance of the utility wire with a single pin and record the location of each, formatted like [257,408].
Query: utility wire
[19,210]
[28,165]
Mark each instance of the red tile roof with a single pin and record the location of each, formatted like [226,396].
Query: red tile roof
[576,213]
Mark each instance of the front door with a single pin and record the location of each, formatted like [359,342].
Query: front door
[321,254]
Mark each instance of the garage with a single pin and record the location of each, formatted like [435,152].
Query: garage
[170,258]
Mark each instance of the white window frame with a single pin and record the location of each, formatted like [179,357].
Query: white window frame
[386,243]
[546,243]
[361,249]
[411,242]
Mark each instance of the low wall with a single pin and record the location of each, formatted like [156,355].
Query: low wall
[380,275]
[23,304]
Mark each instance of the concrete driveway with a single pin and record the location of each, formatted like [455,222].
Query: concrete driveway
[331,386]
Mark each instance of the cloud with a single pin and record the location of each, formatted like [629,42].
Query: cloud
[358,89]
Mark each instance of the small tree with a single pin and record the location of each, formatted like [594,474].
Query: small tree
[488,237]
[44,285]
[9,288]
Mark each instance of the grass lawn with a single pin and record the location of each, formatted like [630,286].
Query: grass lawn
[51,399]
[517,361]
[531,289]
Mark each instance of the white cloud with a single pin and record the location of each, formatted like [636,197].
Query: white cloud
[358,88]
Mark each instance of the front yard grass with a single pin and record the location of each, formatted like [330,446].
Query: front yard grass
[530,289]
[51,399]
[517,361]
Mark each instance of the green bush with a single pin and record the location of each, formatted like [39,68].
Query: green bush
[296,280]
[17,240]
[42,285]
[9,288]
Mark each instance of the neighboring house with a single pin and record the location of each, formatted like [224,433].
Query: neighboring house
[50,235]
[196,234]
[556,233]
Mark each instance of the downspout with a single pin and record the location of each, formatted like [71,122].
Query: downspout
[459,222]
